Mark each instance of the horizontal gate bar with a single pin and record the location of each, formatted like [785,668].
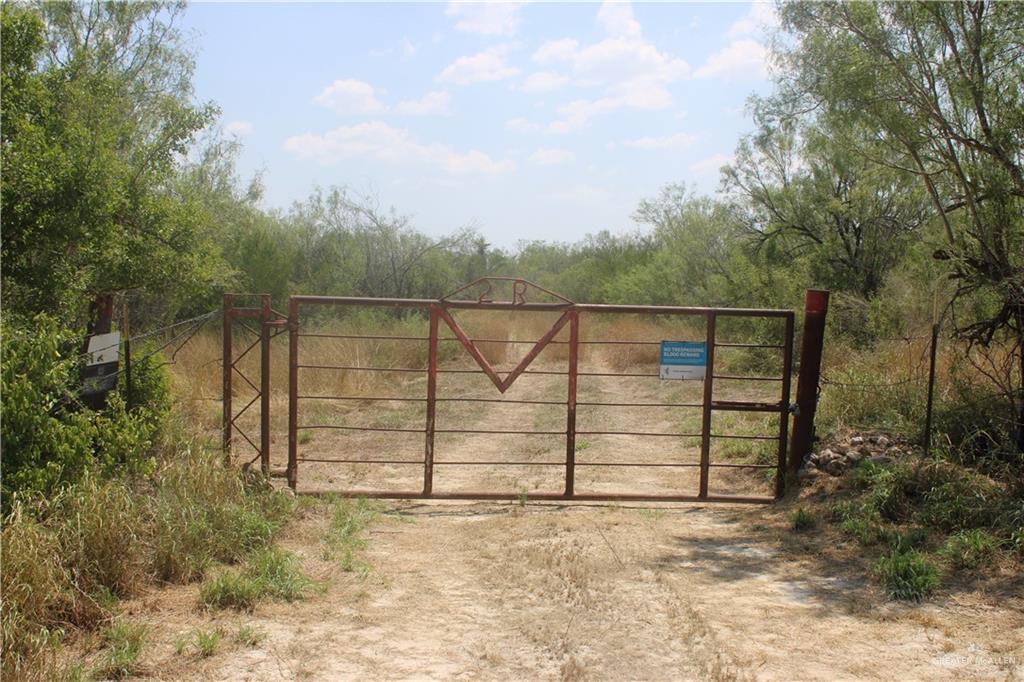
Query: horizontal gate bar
[425,303]
[638,433]
[749,345]
[362,397]
[745,378]
[520,433]
[418,462]
[359,428]
[362,336]
[499,400]
[541,497]
[724,435]
[499,463]
[738,406]
[364,369]
[632,464]
[595,404]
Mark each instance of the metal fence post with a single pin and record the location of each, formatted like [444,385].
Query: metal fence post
[929,408]
[787,371]
[815,310]
[570,404]
[265,316]
[705,428]
[293,391]
[428,448]
[227,362]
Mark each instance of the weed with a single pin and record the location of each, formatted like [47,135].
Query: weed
[802,520]
[181,643]
[230,591]
[344,539]
[970,548]
[249,635]
[305,437]
[124,643]
[908,575]
[206,642]
[582,444]
[278,575]
[272,573]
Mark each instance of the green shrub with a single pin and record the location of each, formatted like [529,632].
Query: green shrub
[970,548]
[908,575]
[49,437]
[206,642]
[46,440]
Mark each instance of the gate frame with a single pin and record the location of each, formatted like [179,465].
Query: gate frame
[438,310]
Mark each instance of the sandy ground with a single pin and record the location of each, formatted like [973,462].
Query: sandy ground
[525,590]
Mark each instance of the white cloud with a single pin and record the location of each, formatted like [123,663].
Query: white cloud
[548,157]
[521,125]
[676,141]
[379,141]
[488,65]
[711,164]
[762,16]
[486,18]
[436,103]
[617,19]
[633,72]
[350,97]
[741,59]
[543,81]
[239,128]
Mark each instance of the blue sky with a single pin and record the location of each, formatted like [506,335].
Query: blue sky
[523,120]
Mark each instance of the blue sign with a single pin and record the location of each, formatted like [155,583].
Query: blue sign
[683,359]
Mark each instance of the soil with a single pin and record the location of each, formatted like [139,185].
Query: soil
[530,590]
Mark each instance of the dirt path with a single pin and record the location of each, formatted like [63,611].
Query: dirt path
[505,592]
[516,591]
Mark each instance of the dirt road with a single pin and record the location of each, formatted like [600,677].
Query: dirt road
[524,591]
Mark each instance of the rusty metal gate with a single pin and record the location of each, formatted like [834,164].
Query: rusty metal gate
[439,315]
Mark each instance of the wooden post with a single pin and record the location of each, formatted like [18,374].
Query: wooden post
[815,310]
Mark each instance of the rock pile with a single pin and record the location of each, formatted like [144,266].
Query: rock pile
[836,454]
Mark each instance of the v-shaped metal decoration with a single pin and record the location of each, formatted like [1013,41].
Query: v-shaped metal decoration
[502,384]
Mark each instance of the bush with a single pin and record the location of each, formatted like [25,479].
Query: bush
[49,437]
[908,575]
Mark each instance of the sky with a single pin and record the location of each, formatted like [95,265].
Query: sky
[524,121]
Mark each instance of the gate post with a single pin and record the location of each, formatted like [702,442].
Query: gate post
[570,405]
[293,391]
[227,363]
[428,447]
[815,310]
[265,316]
[705,428]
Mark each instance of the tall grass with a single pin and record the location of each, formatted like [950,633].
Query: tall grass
[65,560]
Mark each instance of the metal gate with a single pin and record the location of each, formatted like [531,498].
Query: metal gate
[439,315]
